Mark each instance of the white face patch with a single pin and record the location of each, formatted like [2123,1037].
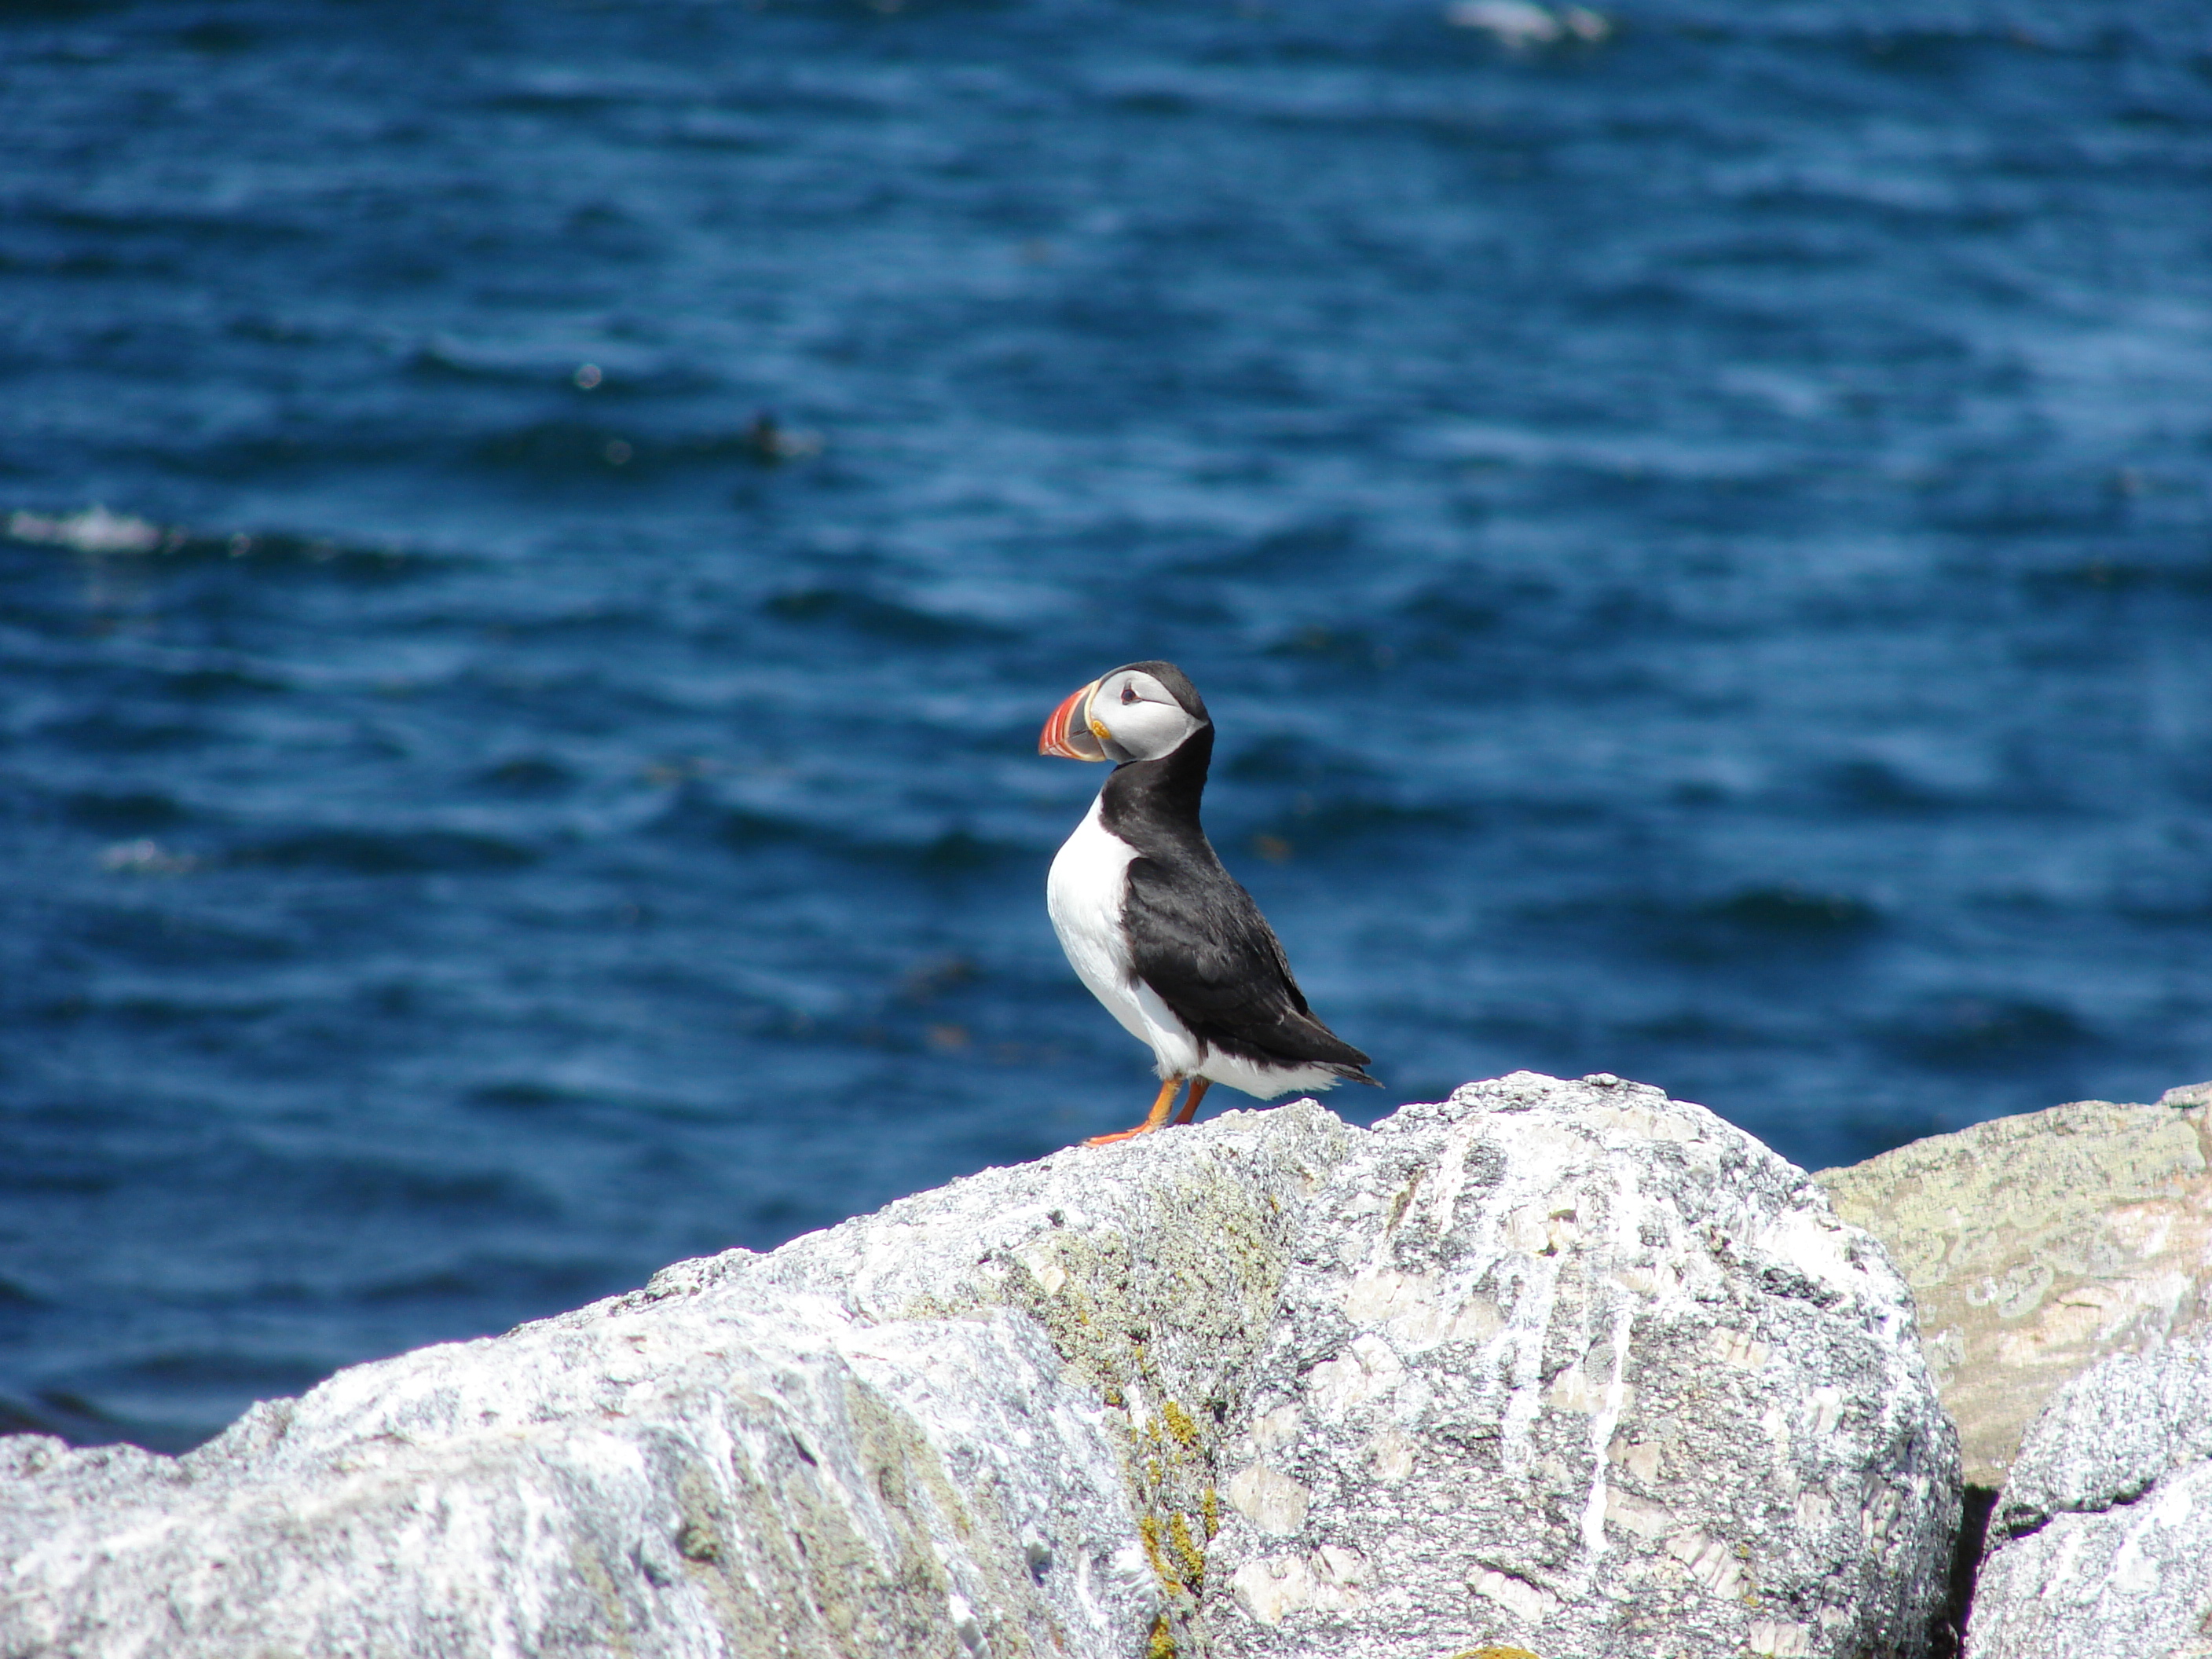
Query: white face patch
[1134,714]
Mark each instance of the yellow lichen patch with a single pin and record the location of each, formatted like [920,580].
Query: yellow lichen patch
[1493,1653]
[1210,1508]
[1180,1424]
[1149,1530]
[1162,1646]
[1193,1557]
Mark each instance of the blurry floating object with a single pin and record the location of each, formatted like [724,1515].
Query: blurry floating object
[95,530]
[928,979]
[618,452]
[1514,23]
[676,769]
[99,534]
[1521,24]
[146,858]
[587,375]
[769,442]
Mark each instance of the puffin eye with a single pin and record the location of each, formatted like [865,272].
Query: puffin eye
[1128,696]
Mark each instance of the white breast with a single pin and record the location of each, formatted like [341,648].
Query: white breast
[1084,894]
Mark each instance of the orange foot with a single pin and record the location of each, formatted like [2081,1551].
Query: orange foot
[1159,1115]
[1199,1085]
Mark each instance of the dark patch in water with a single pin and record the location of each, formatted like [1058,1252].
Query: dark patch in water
[1971,1033]
[865,613]
[528,777]
[129,813]
[387,852]
[521,1095]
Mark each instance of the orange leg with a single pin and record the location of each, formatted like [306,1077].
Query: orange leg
[1159,1115]
[1199,1085]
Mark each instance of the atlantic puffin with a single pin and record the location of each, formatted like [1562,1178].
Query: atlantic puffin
[1151,922]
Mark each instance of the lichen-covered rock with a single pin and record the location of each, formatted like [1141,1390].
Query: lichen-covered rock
[2038,1244]
[1583,1369]
[743,1483]
[1563,1362]
[863,1444]
[2102,1540]
[1152,1266]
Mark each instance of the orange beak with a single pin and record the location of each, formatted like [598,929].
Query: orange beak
[1067,733]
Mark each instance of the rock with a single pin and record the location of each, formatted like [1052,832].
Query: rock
[2110,1436]
[863,1444]
[605,1485]
[1568,1365]
[1576,1368]
[2035,1245]
[2102,1540]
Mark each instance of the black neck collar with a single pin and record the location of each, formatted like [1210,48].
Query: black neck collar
[1152,804]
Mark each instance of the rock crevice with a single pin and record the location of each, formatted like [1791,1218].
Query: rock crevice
[2099,1540]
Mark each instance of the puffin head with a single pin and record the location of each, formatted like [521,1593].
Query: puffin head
[1138,712]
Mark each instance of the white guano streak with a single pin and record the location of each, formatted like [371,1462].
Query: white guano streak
[1627,1209]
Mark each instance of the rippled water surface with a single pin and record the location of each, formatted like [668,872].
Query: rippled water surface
[1696,542]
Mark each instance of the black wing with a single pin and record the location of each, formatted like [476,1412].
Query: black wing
[1203,945]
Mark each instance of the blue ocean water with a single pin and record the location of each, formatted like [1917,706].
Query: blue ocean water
[1698,540]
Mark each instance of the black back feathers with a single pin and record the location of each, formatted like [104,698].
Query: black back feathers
[1195,936]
